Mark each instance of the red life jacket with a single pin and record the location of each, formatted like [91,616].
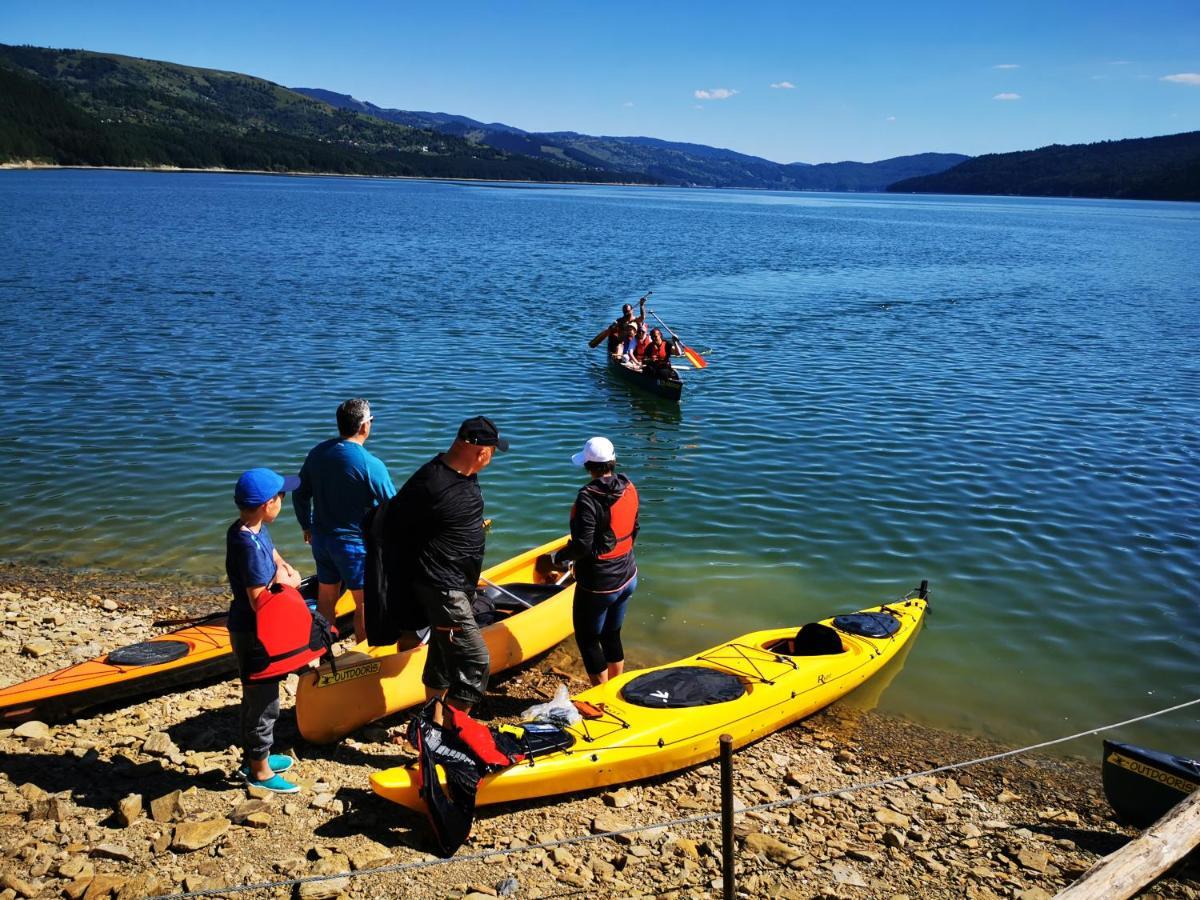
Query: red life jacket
[642,344]
[622,519]
[658,354]
[290,636]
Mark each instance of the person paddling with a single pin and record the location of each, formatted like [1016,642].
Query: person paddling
[616,332]
[604,528]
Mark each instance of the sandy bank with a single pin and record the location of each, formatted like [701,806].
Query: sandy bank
[90,809]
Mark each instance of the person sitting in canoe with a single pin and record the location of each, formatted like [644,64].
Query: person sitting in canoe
[627,349]
[658,352]
[615,332]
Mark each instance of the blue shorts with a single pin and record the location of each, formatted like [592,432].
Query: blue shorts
[339,560]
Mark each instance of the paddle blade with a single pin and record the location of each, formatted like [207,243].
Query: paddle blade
[695,358]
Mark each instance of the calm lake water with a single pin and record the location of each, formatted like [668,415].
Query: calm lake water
[999,395]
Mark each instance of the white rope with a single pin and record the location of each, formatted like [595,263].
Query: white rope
[690,820]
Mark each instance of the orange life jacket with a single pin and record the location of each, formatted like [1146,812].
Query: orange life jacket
[657,354]
[622,518]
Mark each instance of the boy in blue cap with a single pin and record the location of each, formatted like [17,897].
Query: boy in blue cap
[252,564]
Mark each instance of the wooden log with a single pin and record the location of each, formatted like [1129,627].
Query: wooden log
[1124,873]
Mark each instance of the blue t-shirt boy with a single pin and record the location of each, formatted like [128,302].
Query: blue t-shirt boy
[249,562]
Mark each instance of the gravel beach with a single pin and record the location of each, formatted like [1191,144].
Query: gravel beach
[139,801]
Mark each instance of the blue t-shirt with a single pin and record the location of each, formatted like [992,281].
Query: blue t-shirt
[249,562]
[340,482]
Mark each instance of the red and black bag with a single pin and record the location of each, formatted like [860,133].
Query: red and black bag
[288,635]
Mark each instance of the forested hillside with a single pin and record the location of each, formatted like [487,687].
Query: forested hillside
[1157,168]
[75,107]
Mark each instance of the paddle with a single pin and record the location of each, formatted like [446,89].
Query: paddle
[692,356]
[506,592]
[190,620]
[599,339]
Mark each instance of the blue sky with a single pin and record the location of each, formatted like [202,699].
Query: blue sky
[790,81]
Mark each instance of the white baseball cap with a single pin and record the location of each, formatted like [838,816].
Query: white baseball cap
[596,450]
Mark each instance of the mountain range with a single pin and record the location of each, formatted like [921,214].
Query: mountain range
[78,107]
[667,162]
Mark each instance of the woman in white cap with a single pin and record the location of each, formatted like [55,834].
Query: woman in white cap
[604,528]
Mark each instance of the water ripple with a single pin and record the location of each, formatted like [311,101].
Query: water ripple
[998,395]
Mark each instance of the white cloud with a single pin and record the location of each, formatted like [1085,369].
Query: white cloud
[890,119]
[783,85]
[628,104]
[1007,95]
[1119,62]
[1007,66]
[715,94]
[1184,78]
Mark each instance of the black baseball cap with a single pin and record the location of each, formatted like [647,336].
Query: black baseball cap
[481,432]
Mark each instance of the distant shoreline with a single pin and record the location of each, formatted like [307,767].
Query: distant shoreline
[28,166]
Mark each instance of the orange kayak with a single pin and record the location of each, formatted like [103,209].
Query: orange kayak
[196,654]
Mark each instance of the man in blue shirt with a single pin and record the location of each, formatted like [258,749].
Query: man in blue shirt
[339,482]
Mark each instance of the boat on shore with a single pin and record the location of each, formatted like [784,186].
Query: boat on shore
[199,653]
[669,386]
[1143,785]
[666,718]
[532,615]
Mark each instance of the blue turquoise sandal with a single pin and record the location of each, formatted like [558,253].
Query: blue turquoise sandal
[277,784]
[279,762]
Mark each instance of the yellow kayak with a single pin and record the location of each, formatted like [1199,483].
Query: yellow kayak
[667,718]
[373,682]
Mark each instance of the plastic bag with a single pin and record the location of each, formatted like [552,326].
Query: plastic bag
[559,711]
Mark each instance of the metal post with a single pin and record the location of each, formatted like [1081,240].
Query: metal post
[727,815]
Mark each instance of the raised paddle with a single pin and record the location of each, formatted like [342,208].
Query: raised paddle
[692,356]
[599,339]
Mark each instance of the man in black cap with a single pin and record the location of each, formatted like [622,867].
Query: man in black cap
[434,526]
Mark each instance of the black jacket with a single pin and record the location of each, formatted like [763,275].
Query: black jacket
[592,536]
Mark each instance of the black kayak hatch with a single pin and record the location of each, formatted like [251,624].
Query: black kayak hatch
[679,687]
[148,653]
[868,625]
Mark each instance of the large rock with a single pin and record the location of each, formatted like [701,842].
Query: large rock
[113,851]
[38,647]
[247,808]
[129,809]
[104,886]
[620,799]
[32,730]
[159,744]
[604,823]
[52,809]
[323,890]
[369,856]
[191,836]
[771,847]
[19,886]
[168,807]
[891,818]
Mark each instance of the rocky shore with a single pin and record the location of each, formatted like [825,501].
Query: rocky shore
[144,800]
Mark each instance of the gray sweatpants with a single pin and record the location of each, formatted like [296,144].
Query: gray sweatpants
[260,704]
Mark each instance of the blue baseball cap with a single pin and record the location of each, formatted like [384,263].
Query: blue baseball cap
[257,486]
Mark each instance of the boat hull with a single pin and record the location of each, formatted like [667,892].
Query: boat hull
[630,742]
[667,388]
[373,682]
[1143,785]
